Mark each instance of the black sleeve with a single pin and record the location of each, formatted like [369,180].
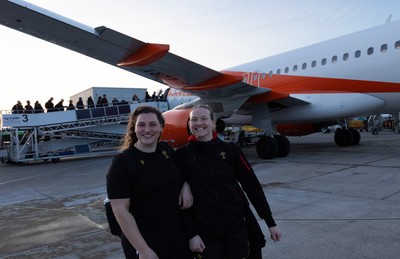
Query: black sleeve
[118,179]
[188,223]
[251,186]
[182,158]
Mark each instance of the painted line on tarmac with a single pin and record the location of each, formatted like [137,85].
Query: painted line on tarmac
[22,179]
[57,210]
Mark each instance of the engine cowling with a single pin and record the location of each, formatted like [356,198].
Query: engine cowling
[176,130]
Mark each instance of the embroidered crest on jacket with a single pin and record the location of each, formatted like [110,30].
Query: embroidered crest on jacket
[165,153]
[223,155]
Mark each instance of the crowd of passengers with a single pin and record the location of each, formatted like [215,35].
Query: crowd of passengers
[102,101]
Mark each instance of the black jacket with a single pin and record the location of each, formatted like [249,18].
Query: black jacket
[214,170]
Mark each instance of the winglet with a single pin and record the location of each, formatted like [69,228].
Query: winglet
[216,82]
[145,55]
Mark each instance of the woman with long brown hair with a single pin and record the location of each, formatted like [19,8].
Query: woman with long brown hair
[143,186]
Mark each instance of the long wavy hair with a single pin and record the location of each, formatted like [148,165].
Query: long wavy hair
[130,137]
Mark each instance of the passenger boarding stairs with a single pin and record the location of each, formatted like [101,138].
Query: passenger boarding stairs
[55,135]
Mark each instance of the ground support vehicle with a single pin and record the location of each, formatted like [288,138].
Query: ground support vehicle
[384,122]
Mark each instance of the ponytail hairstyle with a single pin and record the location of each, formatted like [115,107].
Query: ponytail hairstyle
[204,106]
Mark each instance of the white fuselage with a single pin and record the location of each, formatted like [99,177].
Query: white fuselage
[371,58]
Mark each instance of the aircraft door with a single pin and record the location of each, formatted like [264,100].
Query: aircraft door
[253,78]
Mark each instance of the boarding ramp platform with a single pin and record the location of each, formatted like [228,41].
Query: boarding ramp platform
[73,133]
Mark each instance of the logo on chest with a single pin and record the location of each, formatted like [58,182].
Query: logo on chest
[223,155]
[165,154]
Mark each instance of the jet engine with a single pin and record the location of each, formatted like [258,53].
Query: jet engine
[176,130]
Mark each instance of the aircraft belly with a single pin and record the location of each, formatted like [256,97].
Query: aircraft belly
[238,119]
[328,106]
[392,103]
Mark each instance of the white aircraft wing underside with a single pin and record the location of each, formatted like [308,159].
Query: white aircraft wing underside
[153,61]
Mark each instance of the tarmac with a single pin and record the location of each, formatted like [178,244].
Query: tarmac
[328,201]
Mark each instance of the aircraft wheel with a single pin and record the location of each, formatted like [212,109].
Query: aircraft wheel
[267,147]
[375,132]
[55,160]
[283,145]
[343,138]
[356,136]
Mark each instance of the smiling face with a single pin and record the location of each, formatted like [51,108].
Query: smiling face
[148,130]
[201,125]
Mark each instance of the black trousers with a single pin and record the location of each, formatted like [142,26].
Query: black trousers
[256,236]
[169,245]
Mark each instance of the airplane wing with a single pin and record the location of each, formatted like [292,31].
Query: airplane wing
[153,61]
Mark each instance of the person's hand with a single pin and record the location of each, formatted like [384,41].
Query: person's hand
[196,244]
[185,196]
[148,254]
[275,233]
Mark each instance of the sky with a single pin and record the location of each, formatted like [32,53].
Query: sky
[215,33]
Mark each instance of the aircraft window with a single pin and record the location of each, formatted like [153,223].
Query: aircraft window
[263,76]
[384,48]
[397,45]
[304,66]
[370,51]
[323,61]
[294,68]
[245,78]
[334,59]
[357,54]
[278,72]
[286,70]
[314,63]
[255,76]
[270,73]
[345,56]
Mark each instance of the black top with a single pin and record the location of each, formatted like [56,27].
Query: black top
[214,170]
[152,182]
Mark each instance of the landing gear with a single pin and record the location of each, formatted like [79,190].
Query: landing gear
[283,145]
[269,147]
[347,137]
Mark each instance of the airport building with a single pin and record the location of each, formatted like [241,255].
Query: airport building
[122,94]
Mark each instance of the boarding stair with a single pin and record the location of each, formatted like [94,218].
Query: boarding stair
[55,135]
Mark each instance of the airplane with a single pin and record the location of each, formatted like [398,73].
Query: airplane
[289,94]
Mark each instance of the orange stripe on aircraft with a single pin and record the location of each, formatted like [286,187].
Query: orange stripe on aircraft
[290,84]
[305,84]
[145,55]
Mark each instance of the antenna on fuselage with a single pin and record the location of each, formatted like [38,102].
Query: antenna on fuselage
[389,19]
